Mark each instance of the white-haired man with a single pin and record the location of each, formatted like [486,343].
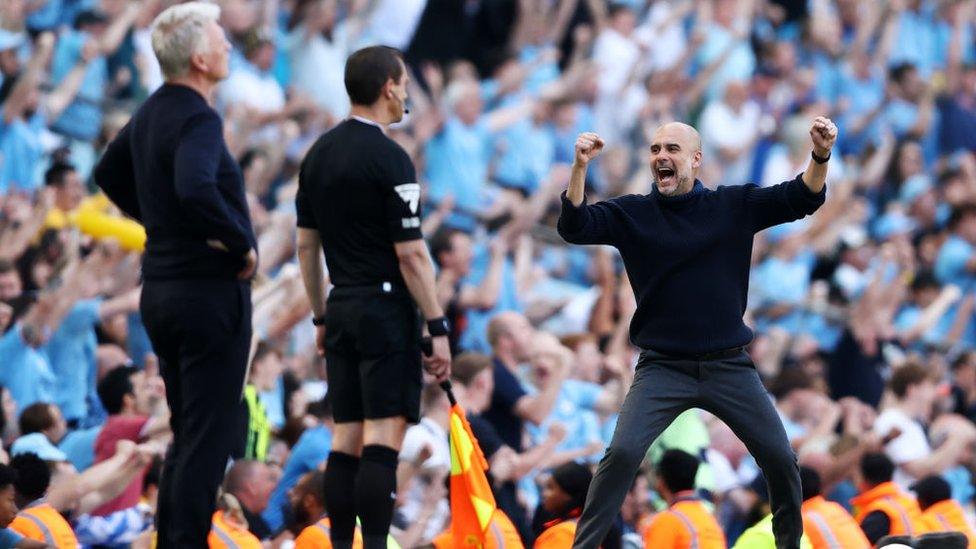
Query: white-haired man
[170,169]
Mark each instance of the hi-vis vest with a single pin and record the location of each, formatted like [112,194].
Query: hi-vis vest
[41,522]
[830,526]
[902,510]
[558,536]
[258,426]
[226,535]
[688,524]
[316,536]
[760,536]
[948,516]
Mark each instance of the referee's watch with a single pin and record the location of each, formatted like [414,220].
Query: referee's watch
[438,327]
[318,320]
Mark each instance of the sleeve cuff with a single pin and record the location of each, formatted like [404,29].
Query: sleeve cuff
[817,197]
[572,217]
[567,203]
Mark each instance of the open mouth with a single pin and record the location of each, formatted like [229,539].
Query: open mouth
[665,175]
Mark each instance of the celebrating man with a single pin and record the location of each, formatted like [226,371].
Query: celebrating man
[687,252]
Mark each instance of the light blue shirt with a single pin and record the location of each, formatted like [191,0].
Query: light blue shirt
[739,65]
[457,163]
[24,370]
[311,449]
[918,42]
[22,152]
[475,336]
[83,117]
[9,539]
[950,264]
[780,281]
[79,446]
[574,409]
[529,150]
[47,17]
[902,115]
[71,353]
[274,404]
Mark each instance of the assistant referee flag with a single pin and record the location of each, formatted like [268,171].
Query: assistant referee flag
[472,503]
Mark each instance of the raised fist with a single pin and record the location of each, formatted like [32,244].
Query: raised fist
[588,146]
[824,135]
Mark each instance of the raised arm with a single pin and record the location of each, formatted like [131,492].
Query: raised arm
[16,102]
[62,96]
[824,135]
[579,223]
[798,197]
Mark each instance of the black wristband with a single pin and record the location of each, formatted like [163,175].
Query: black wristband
[318,321]
[438,327]
[820,159]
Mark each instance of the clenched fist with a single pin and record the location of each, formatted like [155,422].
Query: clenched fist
[823,133]
[588,146]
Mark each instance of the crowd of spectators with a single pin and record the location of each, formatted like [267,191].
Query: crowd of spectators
[863,313]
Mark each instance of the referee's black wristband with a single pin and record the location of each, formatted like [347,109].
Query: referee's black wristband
[437,327]
[820,159]
[318,321]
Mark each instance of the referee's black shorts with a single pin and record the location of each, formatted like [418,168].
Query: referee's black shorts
[372,353]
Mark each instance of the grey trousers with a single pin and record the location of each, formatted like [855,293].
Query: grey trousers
[664,387]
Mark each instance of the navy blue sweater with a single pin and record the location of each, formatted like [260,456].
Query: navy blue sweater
[170,169]
[688,256]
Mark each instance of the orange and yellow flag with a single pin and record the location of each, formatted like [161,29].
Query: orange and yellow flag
[472,503]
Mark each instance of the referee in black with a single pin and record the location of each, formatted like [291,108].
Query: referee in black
[359,201]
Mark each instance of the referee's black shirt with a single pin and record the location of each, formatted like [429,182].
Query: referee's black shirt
[358,188]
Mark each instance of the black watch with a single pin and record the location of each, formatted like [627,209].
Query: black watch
[438,327]
[820,159]
[318,321]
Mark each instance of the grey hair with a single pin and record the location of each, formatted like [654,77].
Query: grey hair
[179,32]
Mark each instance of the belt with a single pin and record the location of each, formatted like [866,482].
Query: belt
[711,355]
[385,287]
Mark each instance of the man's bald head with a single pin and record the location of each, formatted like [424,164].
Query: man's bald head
[241,474]
[675,158]
[510,335]
[681,132]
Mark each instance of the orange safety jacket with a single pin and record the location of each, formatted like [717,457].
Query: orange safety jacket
[316,536]
[41,522]
[830,526]
[902,510]
[227,535]
[948,516]
[686,524]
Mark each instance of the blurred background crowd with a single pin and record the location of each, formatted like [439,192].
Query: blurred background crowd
[863,313]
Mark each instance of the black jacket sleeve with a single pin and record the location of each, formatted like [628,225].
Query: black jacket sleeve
[782,203]
[585,224]
[115,175]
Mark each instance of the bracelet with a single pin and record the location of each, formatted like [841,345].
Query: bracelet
[318,321]
[438,327]
[820,159]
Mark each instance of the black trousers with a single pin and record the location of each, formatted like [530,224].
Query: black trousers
[664,387]
[201,332]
